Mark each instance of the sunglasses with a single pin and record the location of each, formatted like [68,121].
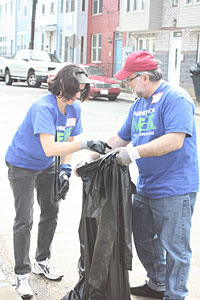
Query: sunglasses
[82,91]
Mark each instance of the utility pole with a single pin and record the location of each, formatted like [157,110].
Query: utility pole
[31,45]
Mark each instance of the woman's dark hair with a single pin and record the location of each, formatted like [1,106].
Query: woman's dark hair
[66,85]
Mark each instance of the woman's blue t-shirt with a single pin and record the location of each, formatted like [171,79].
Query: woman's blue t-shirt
[43,116]
[168,110]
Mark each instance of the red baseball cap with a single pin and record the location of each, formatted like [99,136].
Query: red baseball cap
[136,62]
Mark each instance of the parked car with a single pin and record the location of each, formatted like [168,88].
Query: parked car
[102,85]
[31,66]
[2,67]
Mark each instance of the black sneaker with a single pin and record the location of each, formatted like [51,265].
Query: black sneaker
[146,291]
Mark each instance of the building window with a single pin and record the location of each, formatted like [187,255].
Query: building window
[25,11]
[52,7]
[60,43]
[61,6]
[69,51]
[141,5]
[6,9]
[134,5]
[21,41]
[82,50]
[147,44]
[42,41]
[19,9]
[83,5]
[188,2]
[137,5]
[174,2]
[97,7]
[11,7]
[96,48]
[43,9]
[3,45]
[25,8]
[70,6]
[128,6]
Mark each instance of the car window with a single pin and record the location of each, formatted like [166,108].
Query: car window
[40,55]
[53,58]
[94,70]
[20,55]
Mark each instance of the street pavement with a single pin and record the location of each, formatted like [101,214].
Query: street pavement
[7,287]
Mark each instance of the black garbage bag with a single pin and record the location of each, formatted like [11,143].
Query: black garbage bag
[105,232]
[195,75]
[195,69]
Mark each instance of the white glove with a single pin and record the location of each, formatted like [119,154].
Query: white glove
[125,156]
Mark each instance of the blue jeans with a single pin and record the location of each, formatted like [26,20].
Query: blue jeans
[23,182]
[161,232]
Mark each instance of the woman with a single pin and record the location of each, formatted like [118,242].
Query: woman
[47,130]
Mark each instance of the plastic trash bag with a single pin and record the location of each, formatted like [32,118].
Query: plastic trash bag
[105,232]
[195,69]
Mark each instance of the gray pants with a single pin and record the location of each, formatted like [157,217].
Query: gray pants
[23,181]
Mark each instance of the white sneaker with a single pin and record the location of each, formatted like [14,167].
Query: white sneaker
[47,269]
[23,288]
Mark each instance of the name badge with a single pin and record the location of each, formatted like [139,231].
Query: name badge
[71,122]
[156,97]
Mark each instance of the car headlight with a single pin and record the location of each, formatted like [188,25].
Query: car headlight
[42,68]
[115,85]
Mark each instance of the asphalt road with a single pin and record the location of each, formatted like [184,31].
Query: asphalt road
[100,119]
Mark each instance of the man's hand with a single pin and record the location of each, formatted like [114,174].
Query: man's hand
[126,156]
[96,146]
[64,171]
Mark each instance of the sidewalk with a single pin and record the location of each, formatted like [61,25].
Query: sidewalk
[130,97]
[7,291]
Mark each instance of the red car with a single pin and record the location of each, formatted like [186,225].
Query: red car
[102,86]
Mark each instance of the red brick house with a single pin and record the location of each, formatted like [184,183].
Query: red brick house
[104,41]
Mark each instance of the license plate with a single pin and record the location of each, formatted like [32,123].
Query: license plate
[104,92]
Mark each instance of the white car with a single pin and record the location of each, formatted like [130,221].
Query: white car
[2,67]
[31,66]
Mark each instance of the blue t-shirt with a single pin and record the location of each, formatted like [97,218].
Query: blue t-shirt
[167,110]
[43,116]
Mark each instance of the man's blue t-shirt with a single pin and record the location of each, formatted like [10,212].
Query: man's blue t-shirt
[167,110]
[43,116]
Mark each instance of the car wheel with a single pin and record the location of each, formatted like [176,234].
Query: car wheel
[8,79]
[113,98]
[32,80]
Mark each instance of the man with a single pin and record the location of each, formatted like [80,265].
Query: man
[161,128]
[48,130]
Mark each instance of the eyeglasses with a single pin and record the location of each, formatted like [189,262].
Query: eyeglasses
[130,79]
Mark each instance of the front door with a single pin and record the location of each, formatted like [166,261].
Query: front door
[175,58]
[117,53]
